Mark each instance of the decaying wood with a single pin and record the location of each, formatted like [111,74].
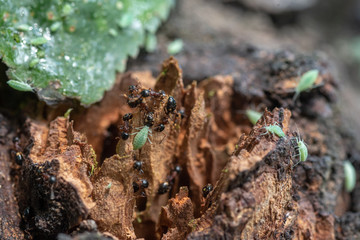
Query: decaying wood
[55,151]
[9,210]
[176,215]
[261,191]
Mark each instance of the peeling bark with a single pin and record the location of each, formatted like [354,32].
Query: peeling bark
[55,184]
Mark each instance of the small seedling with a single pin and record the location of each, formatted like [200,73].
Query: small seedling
[108,186]
[67,114]
[307,80]
[275,129]
[350,176]
[253,116]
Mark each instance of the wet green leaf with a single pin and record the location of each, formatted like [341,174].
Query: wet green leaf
[73,48]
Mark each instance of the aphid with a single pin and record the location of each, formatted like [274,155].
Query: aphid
[307,81]
[108,186]
[163,188]
[141,137]
[19,159]
[170,105]
[38,41]
[55,26]
[23,27]
[34,62]
[127,117]
[253,116]
[275,129]
[175,46]
[20,86]
[303,151]
[350,176]
[207,189]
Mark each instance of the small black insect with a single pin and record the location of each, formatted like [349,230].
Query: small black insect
[160,127]
[149,119]
[26,213]
[19,158]
[135,187]
[207,189]
[182,113]
[132,89]
[145,93]
[144,183]
[134,103]
[127,117]
[125,135]
[138,165]
[163,188]
[170,105]
[177,169]
[16,139]
[52,179]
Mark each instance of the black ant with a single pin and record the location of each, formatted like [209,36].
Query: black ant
[174,173]
[151,93]
[149,119]
[207,189]
[165,186]
[19,158]
[182,113]
[126,128]
[143,183]
[133,103]
[170,105]
[138,165]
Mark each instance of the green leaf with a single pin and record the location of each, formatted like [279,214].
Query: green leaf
[73,48]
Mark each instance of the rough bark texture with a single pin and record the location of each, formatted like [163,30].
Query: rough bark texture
[9,209]
[259,191]
[55,186]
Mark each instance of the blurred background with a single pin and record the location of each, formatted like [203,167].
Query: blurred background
[214,30]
